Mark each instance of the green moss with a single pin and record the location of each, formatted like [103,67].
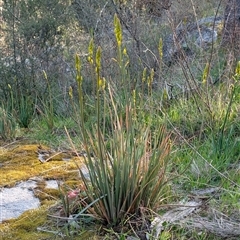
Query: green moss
[21,163]
[25,227]
[47,194]
[34,224]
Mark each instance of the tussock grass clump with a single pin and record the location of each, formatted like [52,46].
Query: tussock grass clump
[126,160]
[8,125]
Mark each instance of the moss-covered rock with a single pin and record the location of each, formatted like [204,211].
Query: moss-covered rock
[21,163]
[25,227]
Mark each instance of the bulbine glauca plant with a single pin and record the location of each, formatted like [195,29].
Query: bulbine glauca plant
[126,160]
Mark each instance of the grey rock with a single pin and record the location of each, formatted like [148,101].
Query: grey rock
[20,198]
[190,38]
[15,201]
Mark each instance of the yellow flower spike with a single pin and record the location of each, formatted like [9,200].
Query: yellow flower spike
[160,48]
[150,78]
[205,74]
[90,51]
[79,79]
[70,92]
[98,67]
[237,71]
[144,74]
[102,84]
[134,97]
[125,52]
[118,30]
[77,63]
[98,57]
[90,60]
[78,69]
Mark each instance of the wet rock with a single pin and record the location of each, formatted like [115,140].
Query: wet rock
[16,200]
[20,198]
